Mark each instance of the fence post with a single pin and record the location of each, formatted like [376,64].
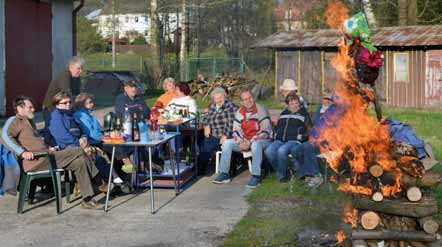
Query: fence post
[214,67]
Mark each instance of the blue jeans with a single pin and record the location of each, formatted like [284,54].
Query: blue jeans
[277,154]
[305,155]
[256,148]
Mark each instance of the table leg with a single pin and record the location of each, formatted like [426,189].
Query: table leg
[110,179]
[152,206]
[134,180]
[172,164]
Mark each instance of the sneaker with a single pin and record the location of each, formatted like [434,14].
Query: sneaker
[117,180]
[103,188]
[315,181]
[222,178]
[253,182]
[128,168]
[91,204]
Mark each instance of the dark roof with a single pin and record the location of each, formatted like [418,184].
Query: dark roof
[385,36]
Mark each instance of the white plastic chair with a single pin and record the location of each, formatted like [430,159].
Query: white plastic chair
[246,155]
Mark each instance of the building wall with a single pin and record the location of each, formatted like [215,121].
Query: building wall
[406,94]
[286,67]
[433,78]
[61,34]
[310,76]
[2,59]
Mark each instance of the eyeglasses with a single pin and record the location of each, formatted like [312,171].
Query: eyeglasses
[64,103]
[89,102]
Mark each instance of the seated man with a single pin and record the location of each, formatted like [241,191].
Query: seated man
[305,154]
[22,137]
[135,104]
[252,129]
[218,125]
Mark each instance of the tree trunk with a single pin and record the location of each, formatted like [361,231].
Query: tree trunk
[426,207]
[183,49]
[402,12]
[155,42]
[429,225]
[369,14]
[412,12]
[393,235]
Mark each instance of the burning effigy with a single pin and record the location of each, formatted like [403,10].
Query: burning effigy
[385,176]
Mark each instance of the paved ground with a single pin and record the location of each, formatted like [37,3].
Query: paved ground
[199,216]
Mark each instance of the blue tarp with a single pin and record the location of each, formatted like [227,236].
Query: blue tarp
[404,133]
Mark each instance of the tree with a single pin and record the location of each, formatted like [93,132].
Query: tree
[88,39]
[155,42]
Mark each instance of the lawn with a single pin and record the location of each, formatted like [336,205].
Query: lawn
[281,216]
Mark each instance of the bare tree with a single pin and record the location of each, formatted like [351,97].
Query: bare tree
[369,13]
[154,37]
[402,12]
[183,49]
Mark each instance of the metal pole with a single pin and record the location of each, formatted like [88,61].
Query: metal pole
[110,179]
[113,34]
[152,206]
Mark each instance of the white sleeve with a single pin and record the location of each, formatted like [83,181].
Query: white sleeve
[192,106]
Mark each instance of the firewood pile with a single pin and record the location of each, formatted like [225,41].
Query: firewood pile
[233,84]
[406,218]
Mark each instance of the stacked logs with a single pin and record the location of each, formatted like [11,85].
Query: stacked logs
[405,219]
[234,85]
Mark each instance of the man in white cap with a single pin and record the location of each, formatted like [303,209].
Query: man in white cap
[289,86]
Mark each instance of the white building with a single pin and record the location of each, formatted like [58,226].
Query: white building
[130,24]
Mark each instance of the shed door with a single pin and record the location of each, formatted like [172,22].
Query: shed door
[28,50]
[433,80]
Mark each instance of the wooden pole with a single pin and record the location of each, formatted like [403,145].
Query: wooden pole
[393,235]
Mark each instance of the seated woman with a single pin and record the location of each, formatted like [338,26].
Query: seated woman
[66,132]
[182,100]
[90,126]
[290,131]
[169,86]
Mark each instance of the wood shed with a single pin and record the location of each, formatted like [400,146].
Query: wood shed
[411,75]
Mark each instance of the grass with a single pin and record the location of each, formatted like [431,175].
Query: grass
[277,217]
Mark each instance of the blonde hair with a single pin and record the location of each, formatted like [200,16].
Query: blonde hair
[60,96]
[81,99]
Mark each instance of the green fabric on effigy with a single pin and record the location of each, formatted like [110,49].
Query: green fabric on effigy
[356,27]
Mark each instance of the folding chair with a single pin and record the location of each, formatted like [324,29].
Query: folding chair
[246,155]
[53,172]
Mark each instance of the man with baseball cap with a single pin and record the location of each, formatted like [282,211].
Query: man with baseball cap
[289,86]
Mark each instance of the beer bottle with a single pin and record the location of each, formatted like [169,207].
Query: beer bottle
[135,129]
[117,126]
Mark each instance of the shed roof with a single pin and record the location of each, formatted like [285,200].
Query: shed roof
[385,36]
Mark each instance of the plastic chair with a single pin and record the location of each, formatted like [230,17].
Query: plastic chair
[54,173]
[246,155]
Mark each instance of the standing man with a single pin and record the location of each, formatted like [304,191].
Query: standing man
[22,137]
[252,129]
[289,86]
[68,81]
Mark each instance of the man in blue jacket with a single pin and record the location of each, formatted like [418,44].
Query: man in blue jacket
[132,101]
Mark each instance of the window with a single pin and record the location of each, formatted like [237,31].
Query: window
[146,19]
[400,67]
[127,19]
[136,18]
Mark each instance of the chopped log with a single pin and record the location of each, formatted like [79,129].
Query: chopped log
[370,220]
[426,207]
[393,235]
[429,225]
[429,179]
[417,244]
[397,223]
[376,170]
[359,243]
[414,194]
[377,196]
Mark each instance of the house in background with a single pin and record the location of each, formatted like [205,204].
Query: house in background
[411,75]
[36,42]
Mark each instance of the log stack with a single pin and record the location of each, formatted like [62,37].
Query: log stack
[404,219]
[234,84]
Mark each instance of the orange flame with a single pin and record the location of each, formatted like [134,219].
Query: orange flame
[351,216]
[353,135]
[336,13]
[340,236]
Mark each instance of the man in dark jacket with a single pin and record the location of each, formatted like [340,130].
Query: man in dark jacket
[68,81]
[130,99]
[22,137]
[290,131]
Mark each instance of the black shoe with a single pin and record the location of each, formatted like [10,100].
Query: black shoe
[284,180]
